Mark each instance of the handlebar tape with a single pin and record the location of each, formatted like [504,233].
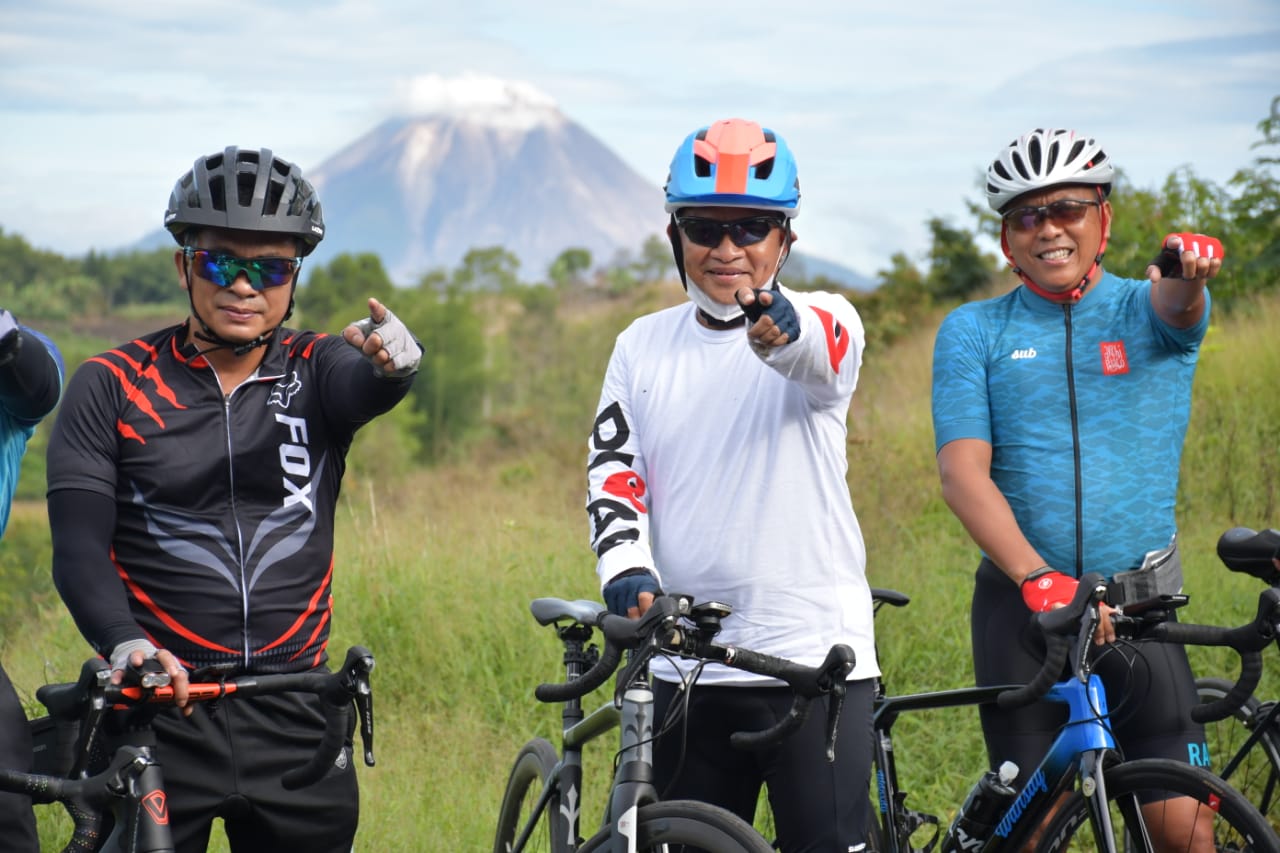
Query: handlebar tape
[337,730]
[1049,674]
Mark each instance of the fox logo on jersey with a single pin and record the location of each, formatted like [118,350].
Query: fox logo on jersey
[284,390]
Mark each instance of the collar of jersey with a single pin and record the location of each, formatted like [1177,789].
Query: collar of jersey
[1092,297]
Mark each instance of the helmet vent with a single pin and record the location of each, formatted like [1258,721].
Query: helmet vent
[1075,150]
[1037,156]
[701,166]
[217,192]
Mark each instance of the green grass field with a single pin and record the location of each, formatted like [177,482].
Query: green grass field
[436,569]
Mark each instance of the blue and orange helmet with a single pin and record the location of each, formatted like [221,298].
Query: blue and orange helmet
[734,163]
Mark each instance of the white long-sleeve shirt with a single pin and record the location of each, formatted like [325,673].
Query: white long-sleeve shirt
[723,470]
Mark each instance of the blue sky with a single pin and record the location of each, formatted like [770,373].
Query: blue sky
[892,110]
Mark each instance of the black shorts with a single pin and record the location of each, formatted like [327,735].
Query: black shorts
[17,820]
[817,805]
[1149,685]
[228,763]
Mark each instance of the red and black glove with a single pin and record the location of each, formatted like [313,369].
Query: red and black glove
[1169,261]
[1046,588]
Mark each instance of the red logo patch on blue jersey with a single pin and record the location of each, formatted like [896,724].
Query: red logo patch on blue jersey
[1114,361]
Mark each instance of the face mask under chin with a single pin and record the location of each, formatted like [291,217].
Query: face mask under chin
[709,306]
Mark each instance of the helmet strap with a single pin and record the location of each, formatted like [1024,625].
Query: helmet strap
[208,335]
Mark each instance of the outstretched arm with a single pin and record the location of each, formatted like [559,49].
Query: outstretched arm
[30,371]
[1178,277]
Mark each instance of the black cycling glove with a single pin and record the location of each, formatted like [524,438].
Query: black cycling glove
[623,592]
[779,309]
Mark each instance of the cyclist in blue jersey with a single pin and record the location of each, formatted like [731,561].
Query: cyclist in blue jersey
[30,383]
[1059,414]
[194,473]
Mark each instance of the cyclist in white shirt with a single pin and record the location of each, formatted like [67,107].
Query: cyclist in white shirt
[717,468]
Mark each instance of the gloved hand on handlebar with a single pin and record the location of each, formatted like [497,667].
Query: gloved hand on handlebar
[139,657]
[1047,588]
[622,593]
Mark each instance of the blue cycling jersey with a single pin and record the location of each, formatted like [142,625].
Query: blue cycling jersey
[15,432]
[1085,407]
[13,443]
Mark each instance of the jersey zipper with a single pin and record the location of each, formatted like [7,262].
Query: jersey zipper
[231,481]
[1075,442]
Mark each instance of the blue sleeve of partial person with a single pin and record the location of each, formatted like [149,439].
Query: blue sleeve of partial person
[623,592]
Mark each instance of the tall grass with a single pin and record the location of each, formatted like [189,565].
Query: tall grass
[436,569]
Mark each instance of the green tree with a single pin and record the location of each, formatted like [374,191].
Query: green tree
[493,269]
[338,293]
[1255,212]
[957,268]
[568,268]
[655,262]
[135,277]
[450,391]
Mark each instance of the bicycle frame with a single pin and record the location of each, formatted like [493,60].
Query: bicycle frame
[632,785]
[1082,750]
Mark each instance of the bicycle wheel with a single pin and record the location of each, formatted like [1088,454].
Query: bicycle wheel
[1257,775]
[684,826]
[534,764]
[1237,825]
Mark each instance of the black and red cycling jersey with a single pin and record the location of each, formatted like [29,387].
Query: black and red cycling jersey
[204,523]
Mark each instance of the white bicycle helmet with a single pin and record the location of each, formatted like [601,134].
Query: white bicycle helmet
[1045,158]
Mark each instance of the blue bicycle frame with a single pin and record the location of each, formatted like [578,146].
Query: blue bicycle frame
[1082,749]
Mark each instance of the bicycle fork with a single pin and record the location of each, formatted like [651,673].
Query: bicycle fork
[633,780]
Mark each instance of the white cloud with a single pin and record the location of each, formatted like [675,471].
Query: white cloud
[891,110]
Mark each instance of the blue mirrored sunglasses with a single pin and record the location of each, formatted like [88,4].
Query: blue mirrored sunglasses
[223,269]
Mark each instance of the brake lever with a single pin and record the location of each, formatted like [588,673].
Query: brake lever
[835,703]
[358,666]
[1084,639]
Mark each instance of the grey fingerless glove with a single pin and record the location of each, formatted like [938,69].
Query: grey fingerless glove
[398,341]
[120,654]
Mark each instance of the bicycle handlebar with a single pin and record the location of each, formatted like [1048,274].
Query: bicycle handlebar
[1079,617]
[661,629]
[1251,552]
[1247,640]
[92,695]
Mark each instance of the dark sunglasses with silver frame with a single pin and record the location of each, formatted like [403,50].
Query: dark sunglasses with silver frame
[1065,211]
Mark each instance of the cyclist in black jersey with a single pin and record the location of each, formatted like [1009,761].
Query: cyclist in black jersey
[193,477]
[30,382]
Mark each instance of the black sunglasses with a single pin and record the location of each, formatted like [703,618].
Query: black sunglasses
[1066,211]
[743,232]
[223,269]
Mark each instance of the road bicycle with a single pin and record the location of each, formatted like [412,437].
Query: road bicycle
[542,804]
[122,807]
[1082,795]
[1245,745]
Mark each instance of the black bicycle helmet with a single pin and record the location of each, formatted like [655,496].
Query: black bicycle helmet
[249,191]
